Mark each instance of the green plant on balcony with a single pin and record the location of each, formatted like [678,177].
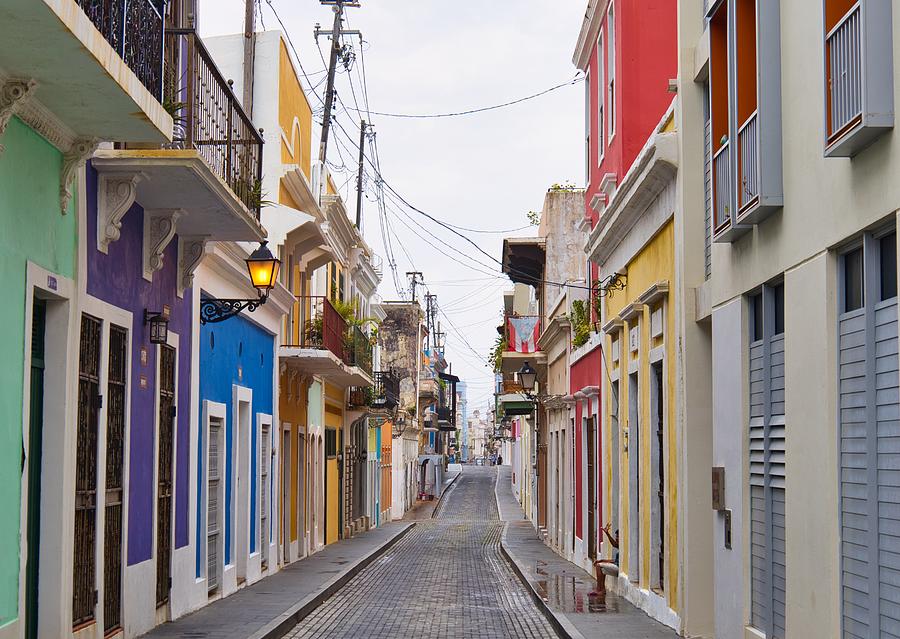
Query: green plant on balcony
[312,332]
[581,323]
[496,354]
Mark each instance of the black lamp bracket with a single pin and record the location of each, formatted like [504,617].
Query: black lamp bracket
[214,310]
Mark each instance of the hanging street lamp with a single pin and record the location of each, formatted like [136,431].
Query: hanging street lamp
[263,268]
[528,378]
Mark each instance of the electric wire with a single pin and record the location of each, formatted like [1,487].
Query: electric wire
[423,116]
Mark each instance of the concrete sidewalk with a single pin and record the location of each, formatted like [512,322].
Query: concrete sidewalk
[272,606]
[561,588]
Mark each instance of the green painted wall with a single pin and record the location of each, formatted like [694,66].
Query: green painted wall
[31,228]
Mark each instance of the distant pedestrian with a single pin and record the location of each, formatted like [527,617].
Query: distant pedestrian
[499,460]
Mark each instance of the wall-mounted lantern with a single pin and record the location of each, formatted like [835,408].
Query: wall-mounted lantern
[528,378]
[263,268]
[159,325]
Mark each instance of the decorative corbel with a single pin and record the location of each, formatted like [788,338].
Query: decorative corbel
[159,229]
[74,159]
[190,252]
[115,195]
[13,96]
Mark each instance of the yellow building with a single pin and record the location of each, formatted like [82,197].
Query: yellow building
[655,461]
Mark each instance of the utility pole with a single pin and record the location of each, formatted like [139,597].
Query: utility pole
[359,176]
[429,318]
[249,54]
[415,278]
[332,67]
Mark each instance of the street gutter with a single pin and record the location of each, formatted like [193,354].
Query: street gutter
[286,621]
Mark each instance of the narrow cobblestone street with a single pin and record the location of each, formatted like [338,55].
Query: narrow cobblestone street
[446,578]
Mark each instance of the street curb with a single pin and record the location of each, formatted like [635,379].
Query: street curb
[282,624]
[562,626]
[444,492]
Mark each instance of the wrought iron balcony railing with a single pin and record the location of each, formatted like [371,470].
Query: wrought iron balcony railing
[843,48]
[314,323]
[387,389]
[384,394]
[134,28]
[358,349]
[209,119]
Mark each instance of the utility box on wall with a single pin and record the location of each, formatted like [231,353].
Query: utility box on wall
[718,488]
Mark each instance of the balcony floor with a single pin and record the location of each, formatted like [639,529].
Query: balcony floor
[322,363]
[80,78]
[181,179]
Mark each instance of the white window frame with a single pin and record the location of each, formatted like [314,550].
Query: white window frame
[587,128]
[601,99]
[611,70]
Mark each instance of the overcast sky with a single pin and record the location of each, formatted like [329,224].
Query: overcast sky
[482,171]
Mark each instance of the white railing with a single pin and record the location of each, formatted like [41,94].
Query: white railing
[748,144]
[722,186]
[843,44]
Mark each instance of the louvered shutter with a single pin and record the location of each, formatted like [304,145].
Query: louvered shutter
[776,444]
[264,497]
[767,466]
[212,516]
[870,461]
[759,612]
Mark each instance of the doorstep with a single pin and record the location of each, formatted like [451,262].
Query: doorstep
[269,608]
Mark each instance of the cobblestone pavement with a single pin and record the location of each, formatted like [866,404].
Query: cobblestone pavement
[446,578]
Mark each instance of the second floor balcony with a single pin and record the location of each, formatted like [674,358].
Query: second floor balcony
[95,65]
[318,341]
[211,171]
[384,394]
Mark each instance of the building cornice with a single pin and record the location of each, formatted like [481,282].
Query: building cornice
[590,28]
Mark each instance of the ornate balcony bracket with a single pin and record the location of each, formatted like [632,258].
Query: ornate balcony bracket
[74,159]
[190,253]
[216,310]
[115,195]
[14,94]
[159,229]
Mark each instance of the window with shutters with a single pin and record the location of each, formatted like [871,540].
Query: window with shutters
[84,588]
[611,70]
[601,101]
[633,447]
[869,429]
[767,468]
[587,127]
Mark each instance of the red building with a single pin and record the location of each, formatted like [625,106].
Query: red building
[628,51]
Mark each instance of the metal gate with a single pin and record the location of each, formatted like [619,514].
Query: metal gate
[84,593]
[115,458]
[164,483]
[213,525]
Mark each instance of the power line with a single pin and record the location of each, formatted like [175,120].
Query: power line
[421,116]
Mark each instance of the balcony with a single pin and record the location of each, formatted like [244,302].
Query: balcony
[211,172]
[358,350]
[521,333]
[96,66]
[318,338]
[386,390]
[858,76]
